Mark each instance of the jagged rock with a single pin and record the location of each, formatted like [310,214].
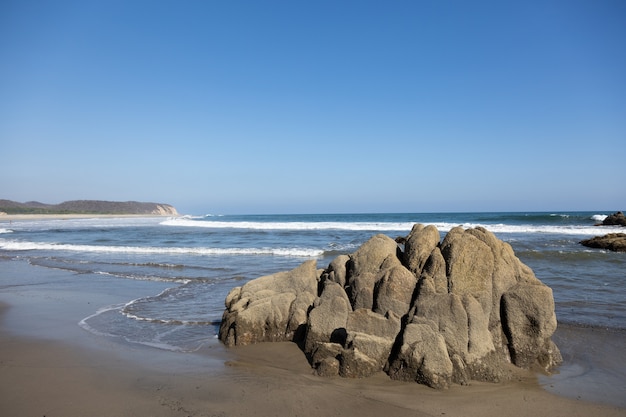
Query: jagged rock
[338,339]
[469,263]
[615,219]
[271,308]
[394,291]
[359,349]
[364,269]
[336,270]
[446,315]
[328,318]
[355,364]
[433,277]
[419,245]
[325,358]
[615,242]
[438,313]
[373,336]
[480,269]
[422,357]
[529,322]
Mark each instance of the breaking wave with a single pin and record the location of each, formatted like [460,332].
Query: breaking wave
[585,230]
[11,245]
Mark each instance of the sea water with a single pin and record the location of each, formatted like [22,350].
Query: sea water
[189,264]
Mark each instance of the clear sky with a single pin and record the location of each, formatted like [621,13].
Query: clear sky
[315,106]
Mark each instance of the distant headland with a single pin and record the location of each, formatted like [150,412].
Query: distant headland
[87,207]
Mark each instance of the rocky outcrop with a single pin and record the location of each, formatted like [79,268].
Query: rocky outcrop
[615,242]
[164,210]
[615,219]
[270,309]
[434,312]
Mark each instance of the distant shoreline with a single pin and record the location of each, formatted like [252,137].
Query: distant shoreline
[17,217]
[85,207]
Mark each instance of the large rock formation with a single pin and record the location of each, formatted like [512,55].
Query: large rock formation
[437,312]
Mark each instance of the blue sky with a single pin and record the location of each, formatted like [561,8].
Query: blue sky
[317,106]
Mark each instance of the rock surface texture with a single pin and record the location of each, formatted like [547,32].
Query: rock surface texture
[615,219]
[615,242]
[434,312]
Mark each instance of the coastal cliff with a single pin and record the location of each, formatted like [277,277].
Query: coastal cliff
[88,207]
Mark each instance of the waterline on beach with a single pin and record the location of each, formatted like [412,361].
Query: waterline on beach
[161,283]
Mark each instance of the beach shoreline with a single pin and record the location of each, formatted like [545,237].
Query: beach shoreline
[59,379]
[19,217]
[50,366]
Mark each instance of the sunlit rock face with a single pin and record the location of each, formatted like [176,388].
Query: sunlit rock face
[430,311]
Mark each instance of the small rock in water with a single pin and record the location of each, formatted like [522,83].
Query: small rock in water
[615,242]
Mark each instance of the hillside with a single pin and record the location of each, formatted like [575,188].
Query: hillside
[88,207]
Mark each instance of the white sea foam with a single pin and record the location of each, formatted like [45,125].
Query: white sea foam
[85,325]
[156,343]
[547,229]
[4,231]
[599,217]
[381,226]
[143,277]
[389,227]
[167,321]
[13,245]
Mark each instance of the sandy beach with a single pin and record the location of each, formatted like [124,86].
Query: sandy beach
[68,372]
[50,366]
[57,379]
[7,218]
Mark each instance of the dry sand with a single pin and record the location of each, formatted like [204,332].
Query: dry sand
[53,378]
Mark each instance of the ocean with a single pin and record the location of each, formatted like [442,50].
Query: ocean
[184,267]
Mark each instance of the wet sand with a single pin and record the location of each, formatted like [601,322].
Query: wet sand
[49,366]
[54,378]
